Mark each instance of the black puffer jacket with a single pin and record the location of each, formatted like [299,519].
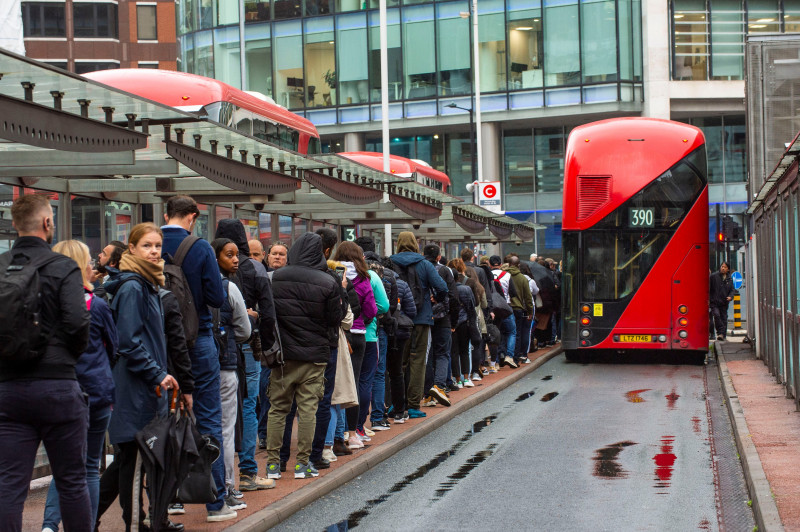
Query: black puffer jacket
[251,279]
[64,313]
[720,289]
[308,302]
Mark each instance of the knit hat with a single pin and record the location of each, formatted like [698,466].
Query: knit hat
[406,241]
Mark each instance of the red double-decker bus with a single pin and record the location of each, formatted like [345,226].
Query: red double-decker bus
[251,113]
[635,239]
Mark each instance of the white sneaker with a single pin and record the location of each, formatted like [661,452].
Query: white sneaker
[329,455]
[48,529]
[355,442]
[468,384]
[460,384]
[223,514]
[476,377]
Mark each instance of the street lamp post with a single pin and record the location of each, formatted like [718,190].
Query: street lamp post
[471,140]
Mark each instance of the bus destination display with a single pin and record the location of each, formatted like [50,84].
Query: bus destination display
[640,217]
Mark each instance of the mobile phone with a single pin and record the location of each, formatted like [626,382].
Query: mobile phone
[340,271]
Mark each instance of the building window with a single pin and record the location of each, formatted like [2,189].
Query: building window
[394,54]
[518,159]
[41,19]
[227,60]
[549,151]
[257,10]
[352,77]
[419,52]
[146,28]
[95,20]
[691,40]
[320,63]
[82,67]
[148,64]
[258,58]
[725,147]
[59,64]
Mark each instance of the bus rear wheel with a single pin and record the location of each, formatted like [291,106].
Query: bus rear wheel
[572,355]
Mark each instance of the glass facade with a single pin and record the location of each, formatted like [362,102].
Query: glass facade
[313,54]
[708,37]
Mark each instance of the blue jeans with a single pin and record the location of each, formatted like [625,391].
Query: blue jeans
[509,329]
[95,441]
[437,370]
[208,404]
[332,423]
[523,325]
[247,456]
[54,412]
[368,367]
[341,422]
[379,382]
[263,401]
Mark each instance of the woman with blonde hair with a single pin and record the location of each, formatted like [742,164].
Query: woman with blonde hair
[142,363]
[93,370]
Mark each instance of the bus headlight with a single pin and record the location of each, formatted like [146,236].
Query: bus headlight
[683,334]
[662,338]
[585,333]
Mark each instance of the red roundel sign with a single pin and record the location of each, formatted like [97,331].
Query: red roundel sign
[489,191]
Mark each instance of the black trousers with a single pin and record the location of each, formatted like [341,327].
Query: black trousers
[117,479]
[719,314]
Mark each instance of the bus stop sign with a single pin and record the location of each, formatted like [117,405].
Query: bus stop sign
[736,277]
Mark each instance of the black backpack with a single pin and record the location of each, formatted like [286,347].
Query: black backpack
[409,275]
[22,334]
[441,309]
[175,281]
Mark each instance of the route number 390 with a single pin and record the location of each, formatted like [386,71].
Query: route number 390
[640,217]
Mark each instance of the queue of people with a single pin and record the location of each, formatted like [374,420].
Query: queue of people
[344,339]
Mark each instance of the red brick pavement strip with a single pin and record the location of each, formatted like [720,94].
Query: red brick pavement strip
[767,431]
[267,508]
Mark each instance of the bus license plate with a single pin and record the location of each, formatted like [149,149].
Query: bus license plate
[635,338]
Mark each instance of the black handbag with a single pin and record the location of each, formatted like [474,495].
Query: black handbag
[199,487]
[501,308]
[404,326]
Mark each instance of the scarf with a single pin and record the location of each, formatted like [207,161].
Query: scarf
[152,272]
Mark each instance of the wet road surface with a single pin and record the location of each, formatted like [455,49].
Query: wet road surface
[569,447]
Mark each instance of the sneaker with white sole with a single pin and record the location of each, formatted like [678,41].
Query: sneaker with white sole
[440,395]
[305,471]
[362,435]
[273,471]
[234,503]
[223,514]
[428,401]
[355,442]
[398,418]
[381,425]
[329,455]
[252,483]
[468,384]
[368,432]
[476,377]
[176,509]
[510,362]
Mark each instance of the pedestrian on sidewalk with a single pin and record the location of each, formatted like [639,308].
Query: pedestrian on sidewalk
[94,375]
[720,286]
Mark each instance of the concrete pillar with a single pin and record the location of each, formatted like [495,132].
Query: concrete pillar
[355,141]
[656,54]
[491,154]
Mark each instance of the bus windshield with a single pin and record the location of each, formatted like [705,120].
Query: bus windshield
[618,252]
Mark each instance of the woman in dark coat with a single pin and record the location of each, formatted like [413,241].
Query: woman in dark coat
[142,363]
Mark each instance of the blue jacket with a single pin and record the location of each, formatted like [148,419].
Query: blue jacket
[406,299]
[430,280]
[94,365]
[201,271]
[142,363]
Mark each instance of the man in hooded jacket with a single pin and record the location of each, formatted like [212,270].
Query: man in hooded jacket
[430,282]
[308,303]
[254,284]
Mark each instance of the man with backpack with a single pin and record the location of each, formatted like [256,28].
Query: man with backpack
[507,324]
[425,284]
[522,305]
[193,276]
[43,331]
[445,315]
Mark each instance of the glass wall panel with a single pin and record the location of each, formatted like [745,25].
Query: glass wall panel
[453,48]
[763,16]
[320,62]
[712,129]
[257,10]
[285,228]
[394,55]
[734,147]
[791,18]
[518,157]
[287,9]
[118,218]
[7,232]
[318,7]
[227,61]
[418,52]
[691,40]
[626,39]
[525,44]
[86,222]
[288,72]
[351,48]
[727,39]
[206,14]
[492,45]
[598,41]
[258,58]
[459,162]
[186,20]
[375,4]
[636,23]
[227,12]
[352,5]
[548,151]
[186,44]
[203,54]
[561,48]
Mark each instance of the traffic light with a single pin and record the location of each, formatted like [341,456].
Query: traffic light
[720,237]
